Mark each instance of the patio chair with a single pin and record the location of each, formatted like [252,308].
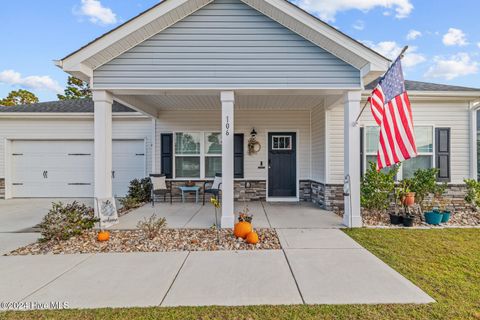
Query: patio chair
[215,187]
[160,186]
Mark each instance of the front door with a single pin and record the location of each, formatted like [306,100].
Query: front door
[282,164]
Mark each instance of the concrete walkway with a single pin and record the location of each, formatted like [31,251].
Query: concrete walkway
[316,266]
[265,215]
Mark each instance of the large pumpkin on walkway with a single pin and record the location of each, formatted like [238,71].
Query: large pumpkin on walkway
[242,229]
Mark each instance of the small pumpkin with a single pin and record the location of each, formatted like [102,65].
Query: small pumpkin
[252,238]
[242,229]
[103,236]
[409,199]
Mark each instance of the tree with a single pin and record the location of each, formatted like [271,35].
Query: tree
[19,97]
[76,89]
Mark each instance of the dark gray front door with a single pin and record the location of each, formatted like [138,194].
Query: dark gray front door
[282,164]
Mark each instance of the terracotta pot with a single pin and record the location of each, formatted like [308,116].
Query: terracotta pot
[409,199]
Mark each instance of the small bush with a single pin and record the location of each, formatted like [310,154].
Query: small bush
[151,227]
[424,182]
[66,220]
[140,189]
[130,203]
[473,192]
[377,187]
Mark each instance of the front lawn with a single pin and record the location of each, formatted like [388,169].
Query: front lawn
[443,262]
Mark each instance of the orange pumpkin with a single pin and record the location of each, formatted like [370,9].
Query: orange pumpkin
[252,238]
[103,236]
[241,229]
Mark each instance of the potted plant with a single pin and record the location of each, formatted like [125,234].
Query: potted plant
[445,212]
[433,217]
[244,225]
[395,217]
[406,195]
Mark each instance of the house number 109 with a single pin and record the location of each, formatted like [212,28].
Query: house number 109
[227,127]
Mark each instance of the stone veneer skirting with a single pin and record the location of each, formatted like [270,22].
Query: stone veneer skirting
[2,188]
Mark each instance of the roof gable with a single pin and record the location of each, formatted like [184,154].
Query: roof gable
[82,62]
[226,44]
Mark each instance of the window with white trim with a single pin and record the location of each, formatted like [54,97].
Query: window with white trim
[197,154]
[424,137]
[281,142]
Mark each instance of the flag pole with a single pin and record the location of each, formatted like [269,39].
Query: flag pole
[400,56]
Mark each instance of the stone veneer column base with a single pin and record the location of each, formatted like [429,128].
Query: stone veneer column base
[2,188]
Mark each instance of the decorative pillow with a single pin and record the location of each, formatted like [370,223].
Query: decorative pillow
[216,182]
[159,183]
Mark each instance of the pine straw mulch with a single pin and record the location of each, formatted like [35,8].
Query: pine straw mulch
[167,240]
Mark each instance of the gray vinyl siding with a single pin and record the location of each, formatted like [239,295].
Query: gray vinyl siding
[226,44]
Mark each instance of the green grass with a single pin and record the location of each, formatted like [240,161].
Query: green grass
[444,263]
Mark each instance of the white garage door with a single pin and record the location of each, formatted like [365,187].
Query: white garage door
[65,168]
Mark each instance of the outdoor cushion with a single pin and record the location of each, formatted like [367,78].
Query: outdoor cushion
[216,182]
[159,183]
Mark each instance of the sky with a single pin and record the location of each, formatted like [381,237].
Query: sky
[443,36]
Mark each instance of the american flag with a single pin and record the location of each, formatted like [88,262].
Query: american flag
[391,109]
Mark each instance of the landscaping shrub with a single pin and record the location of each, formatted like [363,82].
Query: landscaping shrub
[130,203]
[151,227]
[66,220]
[473,192]
[424,182]
[377,187]
[140,189]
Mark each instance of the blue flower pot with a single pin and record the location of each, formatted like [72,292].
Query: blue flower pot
[433,217]
[446,216]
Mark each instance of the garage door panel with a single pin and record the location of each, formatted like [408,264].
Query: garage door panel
[69,167]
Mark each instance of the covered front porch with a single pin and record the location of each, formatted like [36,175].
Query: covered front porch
[291,131]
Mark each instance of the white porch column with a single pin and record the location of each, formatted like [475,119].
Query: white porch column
[351,158]
[228,99]
[103,143]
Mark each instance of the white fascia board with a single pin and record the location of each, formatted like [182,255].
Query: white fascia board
[378,62]
[67,115]
[73,62]
[443,95]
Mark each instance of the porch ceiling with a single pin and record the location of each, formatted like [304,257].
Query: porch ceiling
[153,104]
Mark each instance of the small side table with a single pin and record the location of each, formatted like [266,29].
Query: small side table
[189,189]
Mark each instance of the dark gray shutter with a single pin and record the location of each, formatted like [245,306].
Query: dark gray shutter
[442,153]
[361,152]
[166,154]
[238,155]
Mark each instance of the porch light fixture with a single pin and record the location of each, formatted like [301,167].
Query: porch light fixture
[253,133]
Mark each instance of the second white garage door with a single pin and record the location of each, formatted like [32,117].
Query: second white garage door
[52,168]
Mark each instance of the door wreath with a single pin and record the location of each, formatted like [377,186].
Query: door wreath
[253,146]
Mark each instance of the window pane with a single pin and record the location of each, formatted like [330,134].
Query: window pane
[187,143]
[412,165]
[213,143]
[212,165]
[374,160]
[424,139]
[371,139]
[187,167]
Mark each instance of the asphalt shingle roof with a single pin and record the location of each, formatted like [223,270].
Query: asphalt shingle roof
[425,86]
[76,105]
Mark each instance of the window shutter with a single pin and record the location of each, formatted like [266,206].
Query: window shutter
[442,153]
[238,155]
[362,156]
[166,154]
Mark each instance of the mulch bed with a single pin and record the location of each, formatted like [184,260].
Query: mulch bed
[168,240]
